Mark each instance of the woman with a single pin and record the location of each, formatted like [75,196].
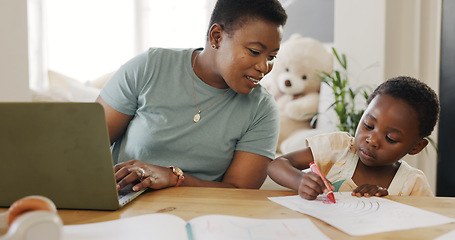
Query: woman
[198,117]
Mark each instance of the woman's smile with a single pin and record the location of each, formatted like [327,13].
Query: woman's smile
[255,81]
[245,56]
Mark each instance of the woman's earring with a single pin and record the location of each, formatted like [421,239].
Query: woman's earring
[214,46]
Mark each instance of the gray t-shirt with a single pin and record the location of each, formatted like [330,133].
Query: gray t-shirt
[156,88]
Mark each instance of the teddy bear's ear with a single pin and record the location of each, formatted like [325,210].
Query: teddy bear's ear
[295,36]
[325,56]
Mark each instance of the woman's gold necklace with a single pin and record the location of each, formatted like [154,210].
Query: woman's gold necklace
[197,116]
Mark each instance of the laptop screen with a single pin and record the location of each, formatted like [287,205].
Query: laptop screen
[58,150]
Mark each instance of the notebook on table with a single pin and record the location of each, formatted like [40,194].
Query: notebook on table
[58,150]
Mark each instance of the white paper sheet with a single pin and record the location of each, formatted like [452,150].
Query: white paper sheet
[361,216]
[209,227]
[152,226]
[448,236]
[222,227]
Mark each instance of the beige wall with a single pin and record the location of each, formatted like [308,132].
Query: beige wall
[386,38]
[14,73]
[381,38]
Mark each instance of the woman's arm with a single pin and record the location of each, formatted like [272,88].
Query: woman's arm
[247,170]
[117,122]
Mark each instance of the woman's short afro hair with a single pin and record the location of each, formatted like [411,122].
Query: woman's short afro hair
[232,14]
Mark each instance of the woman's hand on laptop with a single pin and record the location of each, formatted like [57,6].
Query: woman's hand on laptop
[142,175]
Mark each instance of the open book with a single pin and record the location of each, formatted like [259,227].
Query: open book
[209,227]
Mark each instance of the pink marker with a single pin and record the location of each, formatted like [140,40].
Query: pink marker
[314,168]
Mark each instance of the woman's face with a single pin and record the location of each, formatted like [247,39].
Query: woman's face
[246,55]
[387,131]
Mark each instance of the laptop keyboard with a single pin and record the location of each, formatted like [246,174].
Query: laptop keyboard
[125,191]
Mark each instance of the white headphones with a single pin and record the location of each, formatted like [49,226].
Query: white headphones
[31,218]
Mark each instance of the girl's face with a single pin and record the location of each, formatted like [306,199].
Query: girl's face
[246,55]
[387,132]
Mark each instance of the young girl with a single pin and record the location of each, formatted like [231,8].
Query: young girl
[198,117]
[401,112]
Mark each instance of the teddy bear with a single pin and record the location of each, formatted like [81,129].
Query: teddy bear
[295,81]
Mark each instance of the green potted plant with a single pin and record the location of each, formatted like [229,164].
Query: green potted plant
[345,96]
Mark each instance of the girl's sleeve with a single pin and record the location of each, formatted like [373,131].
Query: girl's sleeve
[417,185]
[330,150]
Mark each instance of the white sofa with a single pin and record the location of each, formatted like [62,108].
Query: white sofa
[62,88]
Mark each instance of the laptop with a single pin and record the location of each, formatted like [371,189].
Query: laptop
[60,150]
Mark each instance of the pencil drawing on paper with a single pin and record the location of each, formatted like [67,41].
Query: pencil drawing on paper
[361,216]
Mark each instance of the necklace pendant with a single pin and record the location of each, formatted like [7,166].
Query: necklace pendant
[197,117]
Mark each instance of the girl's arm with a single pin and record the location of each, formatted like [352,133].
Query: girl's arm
[286,170]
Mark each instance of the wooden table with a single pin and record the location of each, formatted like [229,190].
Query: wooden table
[190,202]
